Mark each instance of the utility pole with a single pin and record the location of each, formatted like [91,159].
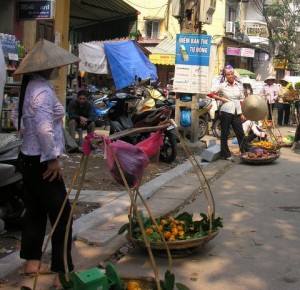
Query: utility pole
[190,24]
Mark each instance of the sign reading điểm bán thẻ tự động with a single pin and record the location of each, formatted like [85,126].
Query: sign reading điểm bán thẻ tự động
[192,63]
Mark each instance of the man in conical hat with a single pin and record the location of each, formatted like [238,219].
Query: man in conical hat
[270,93]
[43,144]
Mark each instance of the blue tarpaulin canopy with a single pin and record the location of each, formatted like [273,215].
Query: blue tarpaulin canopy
[127,62]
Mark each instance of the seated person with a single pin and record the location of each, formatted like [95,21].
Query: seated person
[80,114]
[253,130]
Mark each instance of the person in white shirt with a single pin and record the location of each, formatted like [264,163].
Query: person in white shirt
[253,130]
[270,93]
[230,93]
[43,143]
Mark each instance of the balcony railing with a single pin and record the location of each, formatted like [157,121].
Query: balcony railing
[256,28]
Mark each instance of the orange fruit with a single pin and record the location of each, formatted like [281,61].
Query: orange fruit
[167,235]
[171,219]
[163,222]
[172,238]
[132,285]
[160,227]
[181,233]
[180,228]
[149,231]
[174,231]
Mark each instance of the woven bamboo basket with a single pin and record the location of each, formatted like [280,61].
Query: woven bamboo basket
[179,244]
[287,144]
[259,161]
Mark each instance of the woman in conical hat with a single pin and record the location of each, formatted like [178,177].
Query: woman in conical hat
[270,93]
[43,143]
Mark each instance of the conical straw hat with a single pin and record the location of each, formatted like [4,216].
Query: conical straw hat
[270,78]
[45,55]
[254,108]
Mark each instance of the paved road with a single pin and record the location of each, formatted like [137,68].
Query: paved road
[259,246]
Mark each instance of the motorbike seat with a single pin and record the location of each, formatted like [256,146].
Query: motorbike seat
[204,104]
[141,115]
[125,122]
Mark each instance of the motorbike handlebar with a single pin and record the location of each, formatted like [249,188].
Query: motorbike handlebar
[123,97]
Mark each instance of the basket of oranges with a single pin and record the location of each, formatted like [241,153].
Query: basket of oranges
[268,145]
[180,233]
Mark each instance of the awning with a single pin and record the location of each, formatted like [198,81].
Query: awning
[164,52]
[245,72]
[89,12]
[244,44]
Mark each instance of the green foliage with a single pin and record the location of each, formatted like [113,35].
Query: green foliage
[193,229]
[285,36]
[169,283]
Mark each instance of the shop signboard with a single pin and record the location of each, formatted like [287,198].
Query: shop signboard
[34,9]
[280,63]
[164,59]
[247,52]
[192,63]
[233,51]
[243,51]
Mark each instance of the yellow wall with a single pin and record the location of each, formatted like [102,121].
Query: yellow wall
[156,9]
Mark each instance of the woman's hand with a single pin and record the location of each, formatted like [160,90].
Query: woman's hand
[53,171]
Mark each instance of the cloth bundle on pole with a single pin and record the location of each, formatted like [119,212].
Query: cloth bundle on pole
[133,159]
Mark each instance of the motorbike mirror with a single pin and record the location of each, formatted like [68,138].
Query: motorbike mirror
[121,95]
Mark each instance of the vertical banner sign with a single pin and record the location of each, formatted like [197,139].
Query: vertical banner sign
[192,63]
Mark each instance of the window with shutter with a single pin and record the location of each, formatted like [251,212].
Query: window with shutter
[152,29]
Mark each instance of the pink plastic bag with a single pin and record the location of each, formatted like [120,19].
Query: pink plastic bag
[132,159]
[151,145]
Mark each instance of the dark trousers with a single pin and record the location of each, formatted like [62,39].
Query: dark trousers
[228,119]
[283,113]
[43,199]
[74,125]
[270,110]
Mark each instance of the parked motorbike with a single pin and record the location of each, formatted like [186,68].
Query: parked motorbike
[101,107]
[12,206]
[120,120]
[204,118]
[216,123]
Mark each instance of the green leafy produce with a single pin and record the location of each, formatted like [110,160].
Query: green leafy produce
[181,227]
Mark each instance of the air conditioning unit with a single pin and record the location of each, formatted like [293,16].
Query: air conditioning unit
[206,10]
[230,28]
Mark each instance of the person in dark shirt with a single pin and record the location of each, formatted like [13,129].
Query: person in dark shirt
[80,114]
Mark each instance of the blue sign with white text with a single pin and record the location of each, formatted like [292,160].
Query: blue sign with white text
[193,49]
[34,9]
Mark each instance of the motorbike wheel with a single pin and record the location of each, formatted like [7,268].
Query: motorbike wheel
[168,151]
[203,128]
[217,130]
